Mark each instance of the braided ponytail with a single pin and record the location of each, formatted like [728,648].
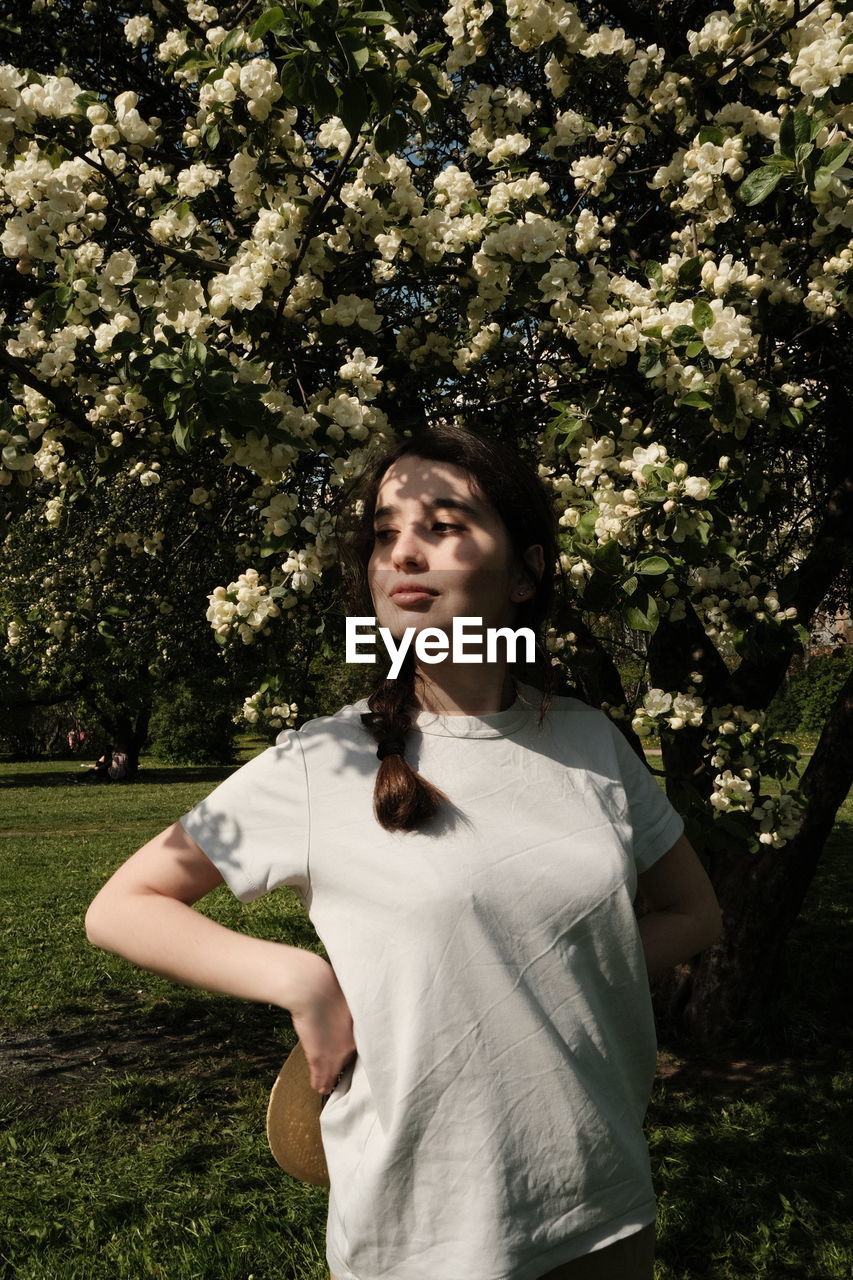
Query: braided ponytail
[402,799]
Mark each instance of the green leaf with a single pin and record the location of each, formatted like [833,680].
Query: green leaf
[273,17]
[693,349]
[652,565]
[380,86]
[696,400]
[232,41]
[776,161]
[608,559]
[690,271]
[391,134]
[586,525]
[802,153]
[702,316]
[354,106]
[758,185]
[682,334]
[794,131]
[181,434]
[629,586]
[324,97]
[194,59]
[650,362]
[710,133]
[654,271]
[641,614]
[833,157]
[163,362]
[291,82]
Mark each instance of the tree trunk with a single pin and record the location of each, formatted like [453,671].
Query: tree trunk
[730,991]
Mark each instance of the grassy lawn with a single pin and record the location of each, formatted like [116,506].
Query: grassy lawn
[131,1110]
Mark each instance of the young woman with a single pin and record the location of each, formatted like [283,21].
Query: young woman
[484,1027]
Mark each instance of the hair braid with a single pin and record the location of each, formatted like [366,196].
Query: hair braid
[402,799]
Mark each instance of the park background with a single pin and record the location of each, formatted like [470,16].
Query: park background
[241,246]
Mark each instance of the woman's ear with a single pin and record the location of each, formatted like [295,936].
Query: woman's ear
[535,558]
[528,579]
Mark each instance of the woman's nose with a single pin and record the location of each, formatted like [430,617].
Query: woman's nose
[408,550]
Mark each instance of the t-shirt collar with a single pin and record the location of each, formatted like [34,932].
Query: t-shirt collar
[497,725]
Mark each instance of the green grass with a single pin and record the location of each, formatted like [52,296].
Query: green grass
[131,1110]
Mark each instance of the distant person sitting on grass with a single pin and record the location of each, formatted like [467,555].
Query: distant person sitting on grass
[118,767]
[112,766]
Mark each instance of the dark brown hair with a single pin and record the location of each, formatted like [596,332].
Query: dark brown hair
[402,799]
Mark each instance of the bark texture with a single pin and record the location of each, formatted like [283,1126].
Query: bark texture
[734,983]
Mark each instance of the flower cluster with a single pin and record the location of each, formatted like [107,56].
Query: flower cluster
[676,711]
[262,711]
[740,751]
[244,607]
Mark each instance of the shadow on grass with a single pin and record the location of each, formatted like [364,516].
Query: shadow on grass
[154,775]
[748,1184]
[752,1149]
[211,1040]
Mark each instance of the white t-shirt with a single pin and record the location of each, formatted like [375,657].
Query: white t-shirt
[491,1125]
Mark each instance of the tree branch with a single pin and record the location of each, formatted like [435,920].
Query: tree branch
[42,697]
[58,396]
[729,67]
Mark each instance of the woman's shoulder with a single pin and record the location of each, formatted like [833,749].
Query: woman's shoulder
[565,705]
[343,723]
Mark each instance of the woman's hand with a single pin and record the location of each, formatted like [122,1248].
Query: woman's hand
[323,1022]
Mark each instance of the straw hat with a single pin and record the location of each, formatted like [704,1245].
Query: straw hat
[293,1122]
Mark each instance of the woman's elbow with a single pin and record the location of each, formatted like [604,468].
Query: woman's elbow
[102,922]
[93,924]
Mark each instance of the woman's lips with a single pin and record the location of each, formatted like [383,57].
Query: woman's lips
[412,597]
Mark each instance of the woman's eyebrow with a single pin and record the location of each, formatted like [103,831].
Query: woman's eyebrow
[452,504]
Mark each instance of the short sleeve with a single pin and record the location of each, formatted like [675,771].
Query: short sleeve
[656,824]
[254,826]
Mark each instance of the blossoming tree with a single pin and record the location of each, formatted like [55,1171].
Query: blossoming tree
[242,241]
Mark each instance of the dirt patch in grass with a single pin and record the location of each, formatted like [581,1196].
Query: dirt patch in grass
[48,1069]
[731,1079]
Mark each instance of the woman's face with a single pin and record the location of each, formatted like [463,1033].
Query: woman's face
[433,531]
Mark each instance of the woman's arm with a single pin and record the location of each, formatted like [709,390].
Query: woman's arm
[684,915]
[145,913]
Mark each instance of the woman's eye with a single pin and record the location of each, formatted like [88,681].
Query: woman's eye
[381,535]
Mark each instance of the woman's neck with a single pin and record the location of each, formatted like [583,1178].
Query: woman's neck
[452,689]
